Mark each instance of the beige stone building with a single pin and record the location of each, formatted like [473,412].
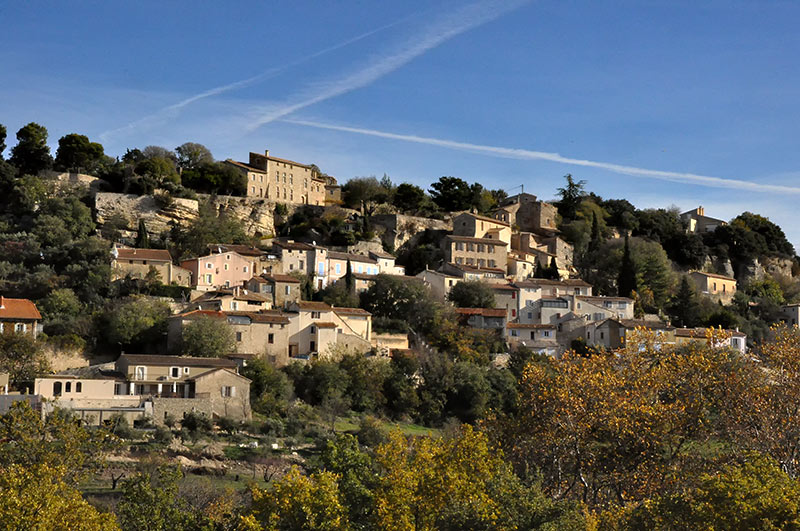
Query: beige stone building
[697,221]
[237,299]
[264,334]
[479,252]
[614,333]
[482,318]
[305,258]
[128,262]
[141,385]
[359,263]
[219,270]
[282,180]
[438,282]
[733,339]
[717,287]
[540,338]
[260,260]
[317,328]
[526,213]
[20,316]
[476,226]
[281,289]
[474,272]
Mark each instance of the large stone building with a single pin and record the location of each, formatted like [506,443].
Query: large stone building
[525,213]
[19,315]
[141,385]
[128,262]
[283,180]
[717,287]
[218,270]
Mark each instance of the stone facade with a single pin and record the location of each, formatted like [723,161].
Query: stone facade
[406,231]
[281,180]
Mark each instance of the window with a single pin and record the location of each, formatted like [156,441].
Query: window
[545,333]
[459,246]
[360,268]
[514,333]
[715,286]
[209,265]
[174,372]
[208,279]
[338,268]
[301,264]
[271,338]
[78,387]
[68,387]
[244,269]
[141,373]
[602,335]
[56,388]
[227,283]
[234,305]
[313,329]
[312,346]
[533,334]
[228,391]
[238,336]
[186,370]
[315,315]
[530,315]
[20,327]
[513,313]
[288,290]
[513,294]
[225,267]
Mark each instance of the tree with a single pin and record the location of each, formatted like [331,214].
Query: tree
[270,388]
[191,155]
[452,194]
[299,503]
[395,298]
[356,478]
[76,153]
[409,198]
[626,280]
[21,356]
[472,294]
[754,495]
[596,237]
[31,154]
[208,338]
[3,135]
[685,305]
[210,226]
[150,501]
[36,497]
[571,197]
[134,322]
[142,237]
[215,178]
[364,192]
[552,270]
[349,281]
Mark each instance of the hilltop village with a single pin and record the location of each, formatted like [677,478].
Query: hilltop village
[262,306]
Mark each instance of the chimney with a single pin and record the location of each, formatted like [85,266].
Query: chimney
[266,153]
[701,211]
[2,303]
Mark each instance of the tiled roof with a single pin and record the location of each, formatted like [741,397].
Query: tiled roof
[244,250]
[503,287]
[601,298]
[245,166]
[485,312]
[531,326]
[382,254]
[295,246]
[276,277]
[351,311]
[284,161]
[712,275]
[199,314]
[484,218]
[313,305]
[568,282]
[642,323]
[182,361]
[263,317]
[352,257]
[700,333]
[469,239]
[124,253]
[18,309]
[364,276]
[477,269]
[326,324]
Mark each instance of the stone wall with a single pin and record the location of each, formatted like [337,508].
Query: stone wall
[177,407]
[62,358]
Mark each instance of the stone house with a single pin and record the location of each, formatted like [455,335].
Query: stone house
[480,252]
[470,272]
[19,315]
[733,339]
[482,318]
[219,270]
[790,314]
[137,263]
[542,249]
[526,213]
[614,333]
[475,226]
[281,180]
[315,327]
[540,338]
[231,300]
[305,258]
[506,297]
[718,287]
[281,289]
[438,282]
[260,261]
[143,385]
[697,221]
[337,265]
[386,263]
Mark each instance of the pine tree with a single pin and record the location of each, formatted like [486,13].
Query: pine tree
[348,278]
[626,281]
[539,272]
[142,238]
[685,305]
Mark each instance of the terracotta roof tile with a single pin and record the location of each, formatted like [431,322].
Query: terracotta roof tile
[485,312]
[469,239]
[124,253]
[351,311]
[18,309]
[183,361]
[313,305]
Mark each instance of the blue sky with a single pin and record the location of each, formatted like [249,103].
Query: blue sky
[706,93]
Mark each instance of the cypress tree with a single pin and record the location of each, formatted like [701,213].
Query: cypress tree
[540,271]
[142,238]
[552,271]
[594,242]
[685,306]
[348,278]
[626,281]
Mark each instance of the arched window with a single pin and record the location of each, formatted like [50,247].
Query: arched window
[56,388]
[68,387]
[78,387]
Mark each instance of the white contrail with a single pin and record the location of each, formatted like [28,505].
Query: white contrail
[267,74]
[433,35]
[526,154]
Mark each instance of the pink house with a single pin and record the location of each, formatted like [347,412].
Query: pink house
[218,270]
